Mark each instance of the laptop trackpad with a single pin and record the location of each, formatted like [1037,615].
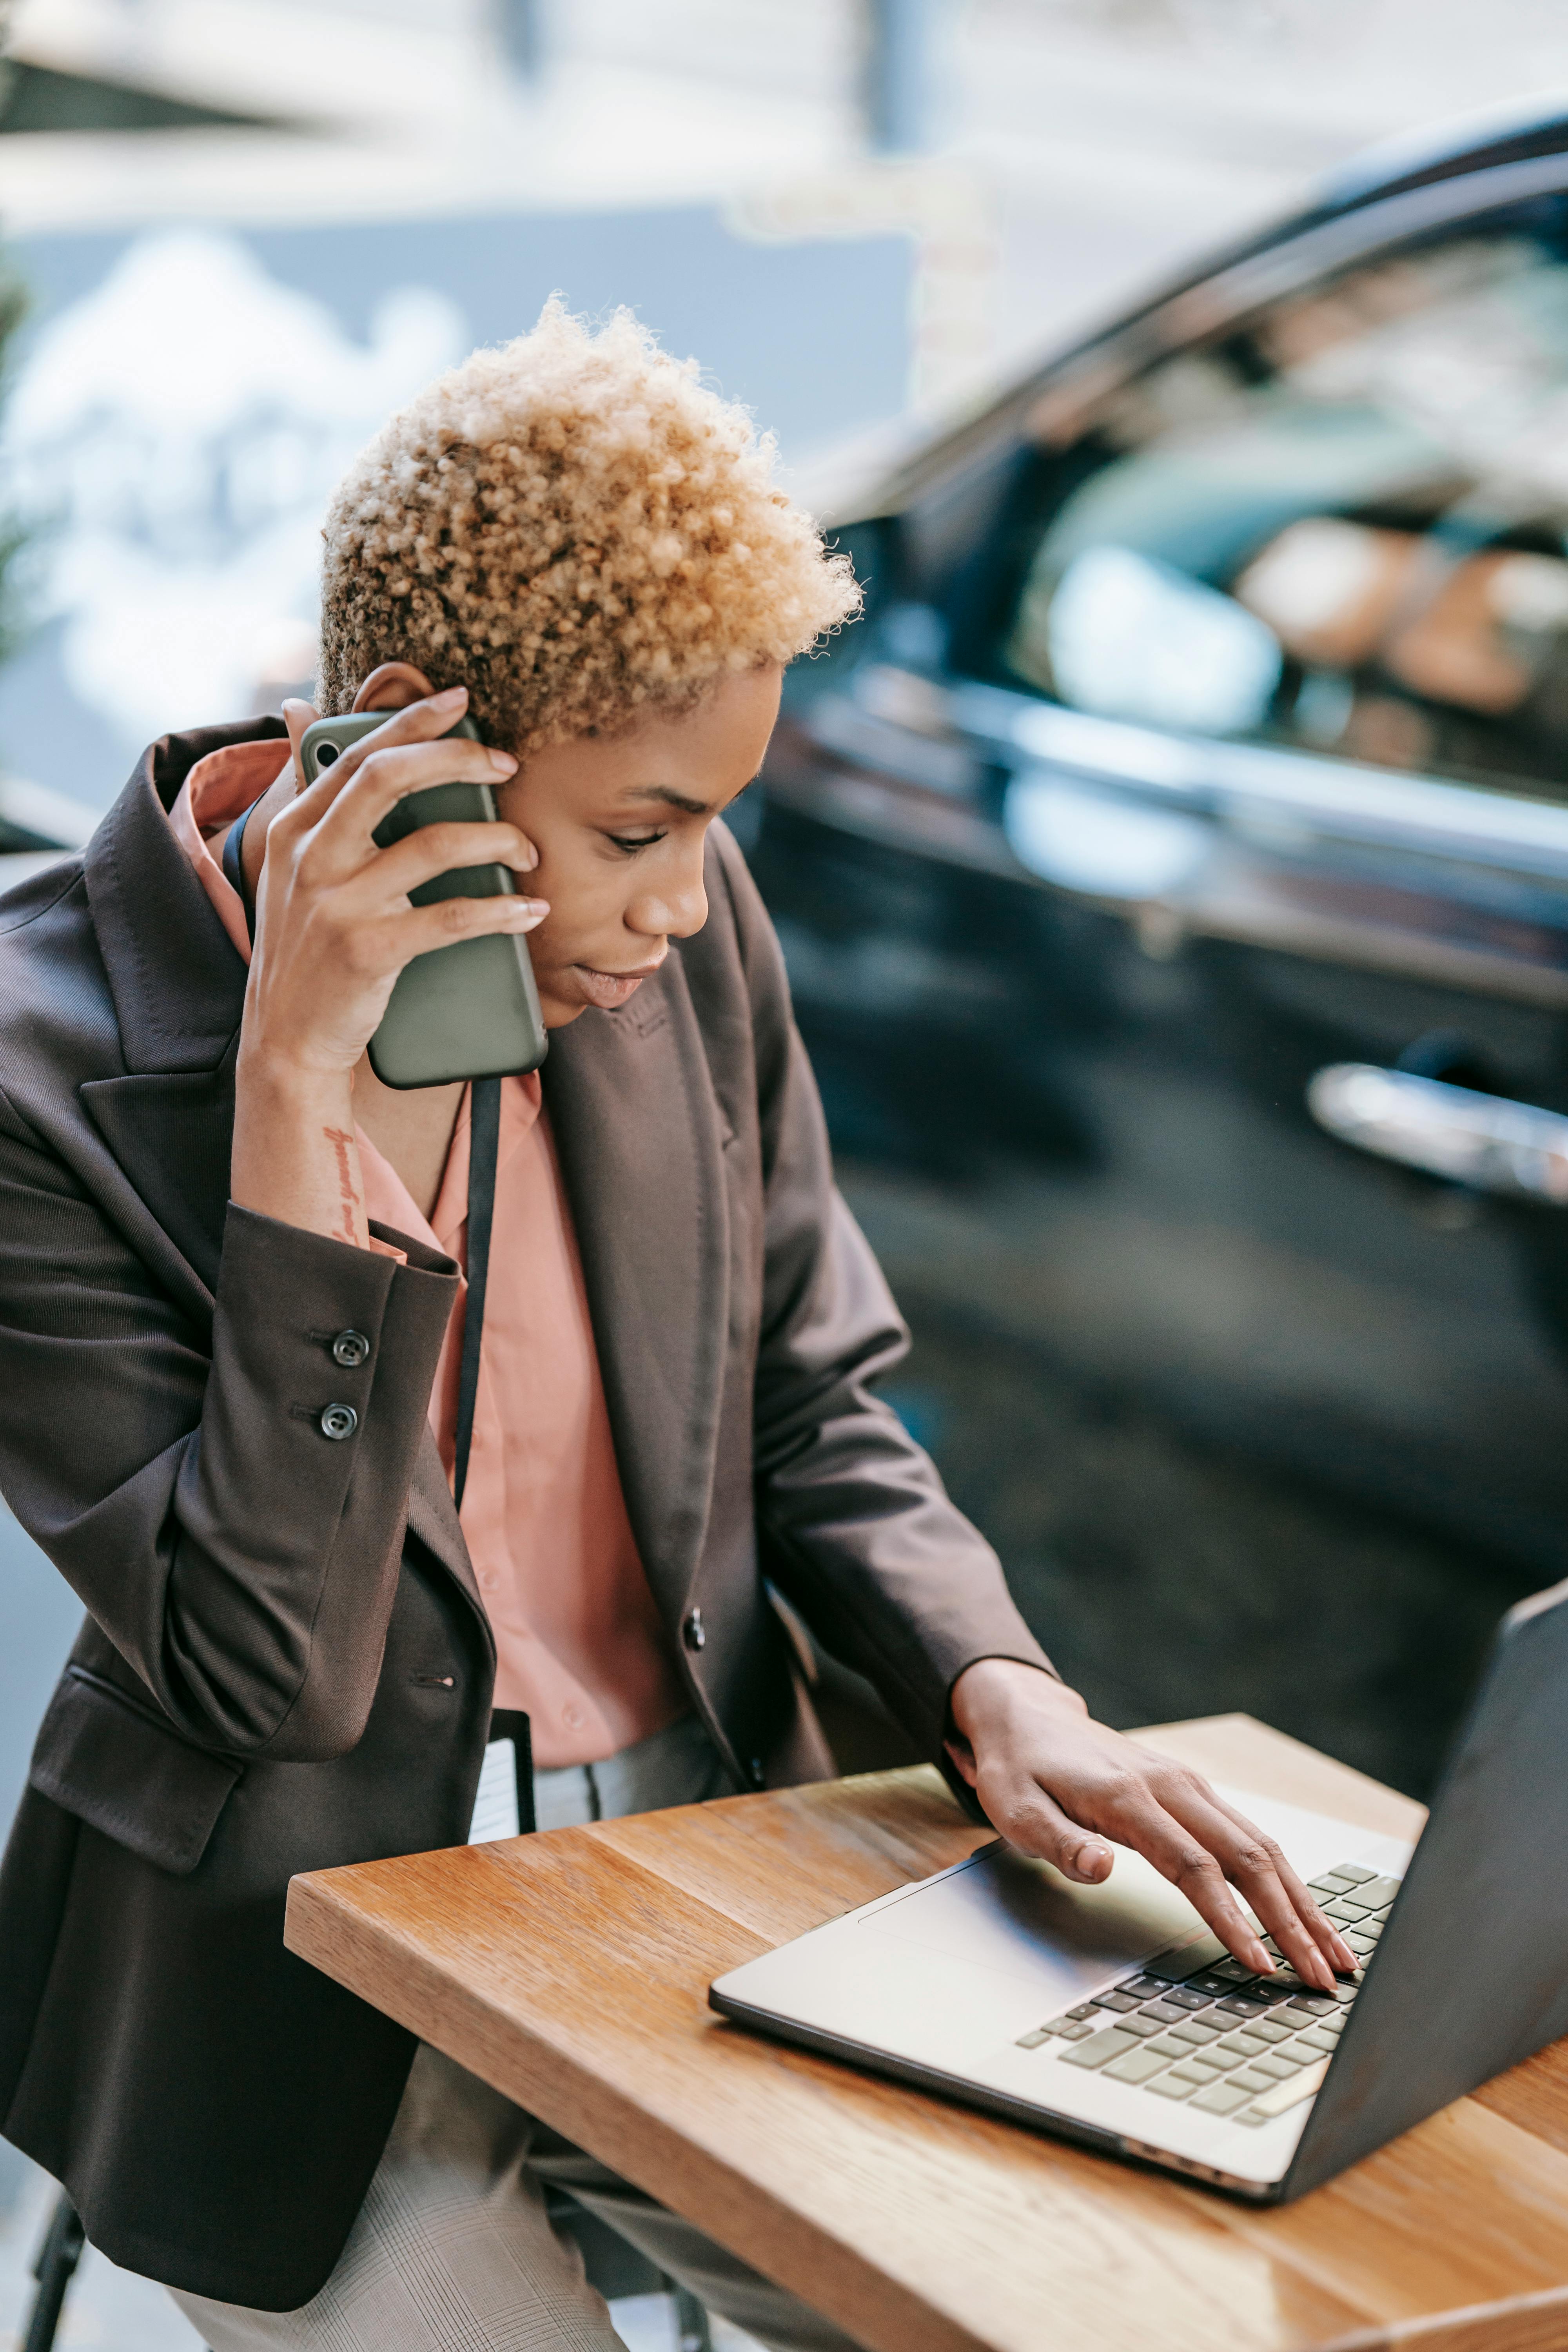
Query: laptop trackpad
[1007,1912]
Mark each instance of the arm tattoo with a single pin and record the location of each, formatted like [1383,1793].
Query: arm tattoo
[341,1142]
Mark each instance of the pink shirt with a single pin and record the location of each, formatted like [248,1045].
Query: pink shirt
[579,1643]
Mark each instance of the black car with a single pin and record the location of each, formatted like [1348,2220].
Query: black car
[36,826]
[1172,869]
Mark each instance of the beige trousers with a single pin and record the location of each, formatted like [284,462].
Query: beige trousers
[453,2250]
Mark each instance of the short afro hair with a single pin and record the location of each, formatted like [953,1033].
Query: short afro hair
[576,528]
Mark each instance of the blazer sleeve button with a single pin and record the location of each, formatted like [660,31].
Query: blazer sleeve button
[349,1349]
[337,1421]
[693,1632]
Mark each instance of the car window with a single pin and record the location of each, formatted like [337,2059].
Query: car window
[1344,528]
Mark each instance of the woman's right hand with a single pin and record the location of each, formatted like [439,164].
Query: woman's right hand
[333,922]
[334,927]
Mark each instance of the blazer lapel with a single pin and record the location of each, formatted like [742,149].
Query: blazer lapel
[633,1114]
[179,991]
[178,985]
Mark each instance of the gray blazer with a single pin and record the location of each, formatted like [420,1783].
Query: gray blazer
[285,1663]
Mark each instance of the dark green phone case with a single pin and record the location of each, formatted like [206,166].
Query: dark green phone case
[469,1011]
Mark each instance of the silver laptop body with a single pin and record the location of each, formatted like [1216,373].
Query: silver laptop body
[1109,2014]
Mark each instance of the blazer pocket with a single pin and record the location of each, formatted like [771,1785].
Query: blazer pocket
[116,1768]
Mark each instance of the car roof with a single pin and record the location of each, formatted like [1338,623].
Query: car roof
[880,474]
[1509,133]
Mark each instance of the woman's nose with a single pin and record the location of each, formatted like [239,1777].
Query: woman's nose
[673,913]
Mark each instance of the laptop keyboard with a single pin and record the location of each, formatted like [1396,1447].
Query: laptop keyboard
[1231,2043]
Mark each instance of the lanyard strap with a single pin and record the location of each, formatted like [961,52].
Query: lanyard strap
[484,1150]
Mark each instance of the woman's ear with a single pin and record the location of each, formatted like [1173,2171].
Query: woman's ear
[392,686]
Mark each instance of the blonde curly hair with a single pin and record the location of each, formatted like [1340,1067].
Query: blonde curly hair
[574,527]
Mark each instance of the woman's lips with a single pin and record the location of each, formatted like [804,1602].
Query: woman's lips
[610,989]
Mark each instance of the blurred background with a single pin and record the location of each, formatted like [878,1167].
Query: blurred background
[1172,863]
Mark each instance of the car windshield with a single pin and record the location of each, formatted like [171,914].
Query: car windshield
[1343,528]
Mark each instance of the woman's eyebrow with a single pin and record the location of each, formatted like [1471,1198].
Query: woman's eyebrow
[672,799]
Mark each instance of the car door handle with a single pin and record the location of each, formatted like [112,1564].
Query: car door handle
[1483,1141]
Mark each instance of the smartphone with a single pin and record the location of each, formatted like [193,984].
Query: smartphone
[468,1011]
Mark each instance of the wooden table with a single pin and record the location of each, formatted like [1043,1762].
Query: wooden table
[572,1970]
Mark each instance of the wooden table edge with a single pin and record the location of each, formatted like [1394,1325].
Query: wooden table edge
[1522,2323]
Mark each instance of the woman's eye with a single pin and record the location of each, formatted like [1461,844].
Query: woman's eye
[630,841]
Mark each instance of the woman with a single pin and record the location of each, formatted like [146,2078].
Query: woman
[234,1398]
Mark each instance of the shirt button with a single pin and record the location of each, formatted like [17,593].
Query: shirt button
[337,1421]
[693,1632]
[489,1580]
[758,1775]
[573,1715]
[349,1349]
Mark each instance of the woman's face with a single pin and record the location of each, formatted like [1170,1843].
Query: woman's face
[619,826]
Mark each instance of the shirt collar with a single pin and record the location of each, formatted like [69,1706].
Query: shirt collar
[218,788]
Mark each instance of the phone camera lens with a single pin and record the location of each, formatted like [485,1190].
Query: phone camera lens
[325,754]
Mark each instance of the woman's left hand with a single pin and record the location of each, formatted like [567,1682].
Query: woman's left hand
[1057,1784]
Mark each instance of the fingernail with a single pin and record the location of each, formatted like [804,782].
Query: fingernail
[1261,1961]
[535,908]
[502,762]
[1089,1857]
[449,698]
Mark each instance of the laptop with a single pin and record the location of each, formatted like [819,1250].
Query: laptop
[1111,2015]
